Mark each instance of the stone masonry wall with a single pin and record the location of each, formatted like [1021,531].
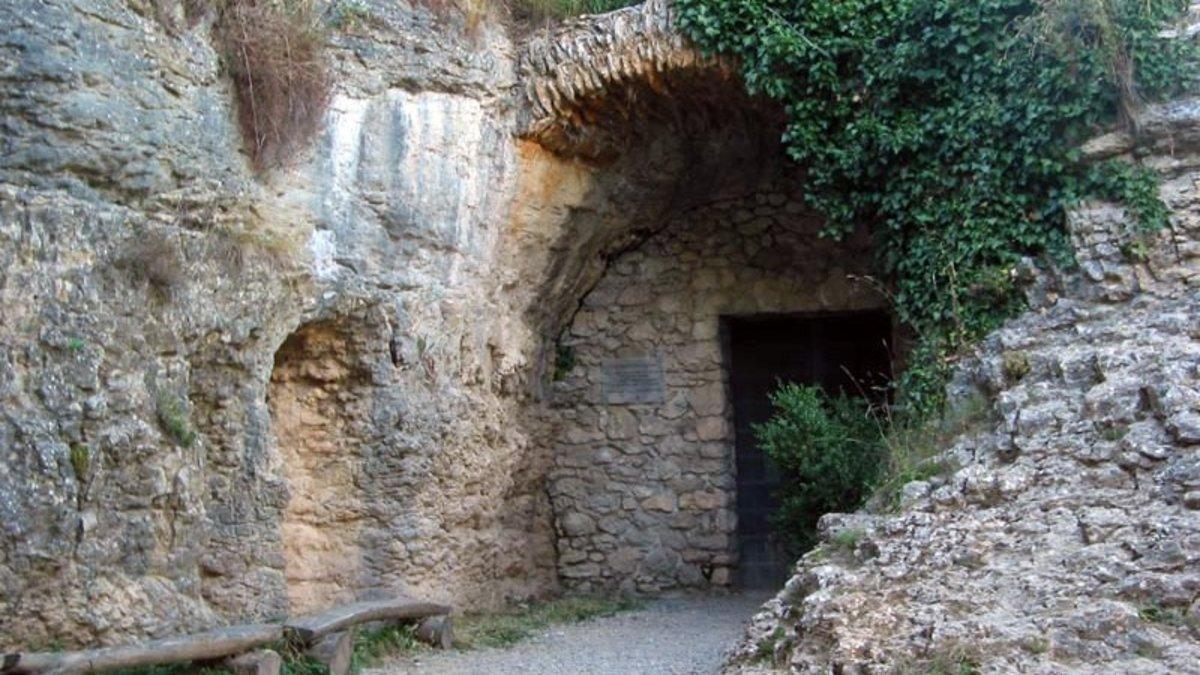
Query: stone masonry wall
[643,493]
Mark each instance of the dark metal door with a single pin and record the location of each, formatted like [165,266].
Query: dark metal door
[839,352]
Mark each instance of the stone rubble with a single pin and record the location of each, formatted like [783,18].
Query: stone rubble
[1068,540]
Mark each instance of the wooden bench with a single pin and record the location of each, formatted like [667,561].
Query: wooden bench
[328,637]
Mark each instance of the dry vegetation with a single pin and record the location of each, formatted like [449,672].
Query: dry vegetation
[275,51]
[152,256]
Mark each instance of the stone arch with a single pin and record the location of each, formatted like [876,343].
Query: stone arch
[319,399]
[595,85]
[658,195]
[623,126]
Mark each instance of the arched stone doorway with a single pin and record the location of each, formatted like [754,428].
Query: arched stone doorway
[645,482]
[661,205]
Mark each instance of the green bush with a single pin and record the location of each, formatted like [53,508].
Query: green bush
[829,453]
[951,129]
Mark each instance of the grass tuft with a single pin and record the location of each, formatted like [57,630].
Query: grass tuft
[174,419]
[1169,616]
[81,461]
[373,647]
[915,451]
[505,628]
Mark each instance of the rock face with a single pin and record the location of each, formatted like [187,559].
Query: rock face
[227,396]
[1068,540]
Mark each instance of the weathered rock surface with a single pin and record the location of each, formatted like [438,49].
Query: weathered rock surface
[1066,541]
[227,396]
[594,85]
[172,458]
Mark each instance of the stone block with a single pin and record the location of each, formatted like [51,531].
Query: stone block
[260,662]
[576,524]
[660,502]
[702,500]
[712,429]
[708,400]
[584,571]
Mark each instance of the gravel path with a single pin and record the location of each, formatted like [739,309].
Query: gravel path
[674,636]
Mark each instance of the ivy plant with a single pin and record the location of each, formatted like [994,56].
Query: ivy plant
[951,129]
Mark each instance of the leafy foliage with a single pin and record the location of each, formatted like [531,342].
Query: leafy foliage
[828,450]
[949,128]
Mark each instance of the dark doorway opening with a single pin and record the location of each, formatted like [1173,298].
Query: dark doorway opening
[846,352]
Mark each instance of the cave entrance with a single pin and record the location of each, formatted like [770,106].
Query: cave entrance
[842,352]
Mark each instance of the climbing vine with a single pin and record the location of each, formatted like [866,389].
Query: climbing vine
[950,129]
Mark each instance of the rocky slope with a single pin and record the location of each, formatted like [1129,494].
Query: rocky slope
[1068,538]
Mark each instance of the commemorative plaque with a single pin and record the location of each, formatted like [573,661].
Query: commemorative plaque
[633,379]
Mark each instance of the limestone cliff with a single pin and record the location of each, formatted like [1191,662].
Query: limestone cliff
[228,395]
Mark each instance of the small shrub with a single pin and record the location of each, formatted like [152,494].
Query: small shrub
[76,345]
[372,647]
[174,419]
[1169,616]
[828,451]
[765,651]
[1136,251]
[564,361]
[275,52]
[1015,366]
[153,256]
